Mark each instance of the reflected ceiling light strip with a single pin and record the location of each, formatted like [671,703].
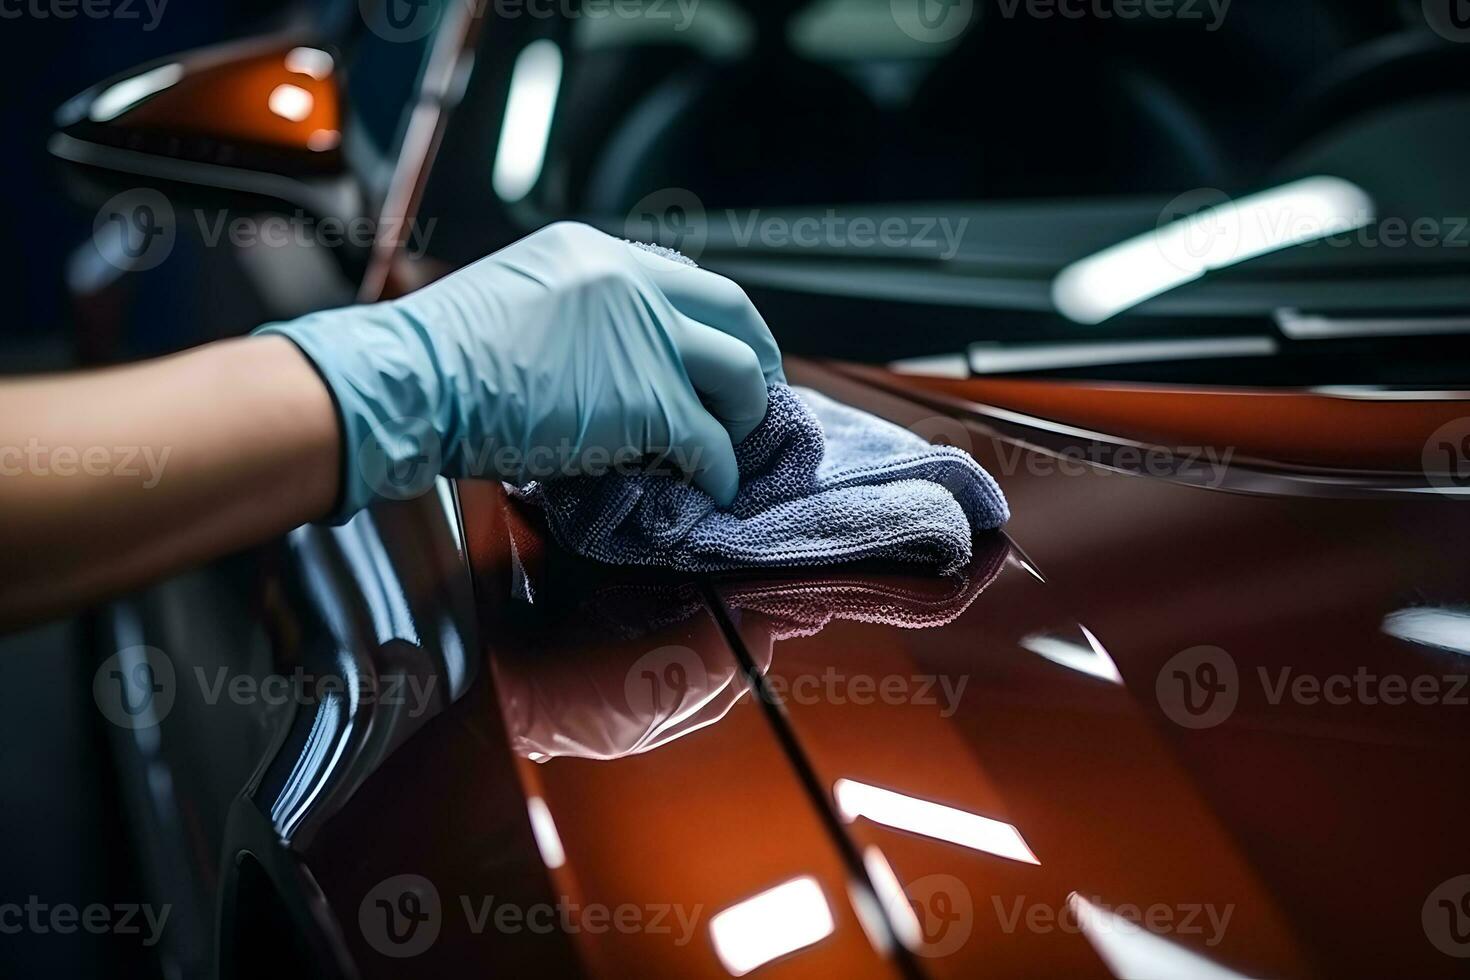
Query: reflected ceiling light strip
[291,102]
[534,83]
[548,840]
[1371,393]
[900,913]
[1129,950]
[1444,629]
[1124,275]
[1092,659]
[935,366]
[1300,326]
[935,820]
[122,96]
[773,923]
[993,358]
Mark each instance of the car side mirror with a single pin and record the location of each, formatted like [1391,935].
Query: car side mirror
[258,118]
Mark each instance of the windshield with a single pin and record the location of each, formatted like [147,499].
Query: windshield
[1033,171]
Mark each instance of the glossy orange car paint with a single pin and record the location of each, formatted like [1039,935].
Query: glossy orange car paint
[1028,793]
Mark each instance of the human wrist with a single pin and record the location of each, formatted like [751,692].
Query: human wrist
[385,390]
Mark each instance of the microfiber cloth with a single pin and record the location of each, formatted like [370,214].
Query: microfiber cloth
[821,483]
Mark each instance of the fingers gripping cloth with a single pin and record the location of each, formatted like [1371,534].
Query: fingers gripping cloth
[821,483]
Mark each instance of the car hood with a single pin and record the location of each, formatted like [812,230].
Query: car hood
[1166,724]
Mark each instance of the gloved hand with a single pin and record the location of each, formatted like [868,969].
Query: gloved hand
[567,352]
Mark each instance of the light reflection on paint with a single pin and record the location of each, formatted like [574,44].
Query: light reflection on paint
[121,96]
[901,915]
[291,102]
[774,922]
[1131,951]
[309,61]
[946,823]
[1444,629]
[1092,659]
[543,827]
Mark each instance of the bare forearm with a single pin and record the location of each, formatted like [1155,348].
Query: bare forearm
[113,478]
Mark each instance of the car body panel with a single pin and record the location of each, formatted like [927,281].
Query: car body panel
[621,697]
[663,726]
[1355,431]
[1282,802]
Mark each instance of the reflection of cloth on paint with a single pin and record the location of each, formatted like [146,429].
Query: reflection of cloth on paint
[623,671]
[821,484]
[634,667]
[803,607]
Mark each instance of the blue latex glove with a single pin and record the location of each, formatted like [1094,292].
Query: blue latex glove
[568,352]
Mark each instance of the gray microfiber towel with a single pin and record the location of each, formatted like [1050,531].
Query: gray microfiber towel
[821,483]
